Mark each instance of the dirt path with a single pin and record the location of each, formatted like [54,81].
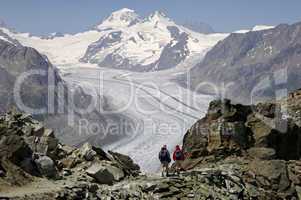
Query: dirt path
[36,188]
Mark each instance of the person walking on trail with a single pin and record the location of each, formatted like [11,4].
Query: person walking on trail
[165,159]
[178,157]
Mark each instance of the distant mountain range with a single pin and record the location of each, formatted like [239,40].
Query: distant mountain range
[124,40]
[256,65]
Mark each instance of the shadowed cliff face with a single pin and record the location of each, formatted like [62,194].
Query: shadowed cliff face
[256,64]
[28,80]
[14,61]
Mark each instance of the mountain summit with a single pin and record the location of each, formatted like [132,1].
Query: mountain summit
[152,43]
[120,18]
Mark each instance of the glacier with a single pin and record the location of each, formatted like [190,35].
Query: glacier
[162,109]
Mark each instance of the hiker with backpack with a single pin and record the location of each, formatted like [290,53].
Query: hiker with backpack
[165,159]
[178,157]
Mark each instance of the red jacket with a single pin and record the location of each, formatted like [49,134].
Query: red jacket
[174,154]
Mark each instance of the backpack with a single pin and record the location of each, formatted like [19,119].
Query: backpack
[179,155]
[164,155]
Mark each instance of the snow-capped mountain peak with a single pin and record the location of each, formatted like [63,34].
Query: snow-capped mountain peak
[158,16]
[121,18]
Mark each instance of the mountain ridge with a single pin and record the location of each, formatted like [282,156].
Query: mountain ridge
[124,40]
[250,59]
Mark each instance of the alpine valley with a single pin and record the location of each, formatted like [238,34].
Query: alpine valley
[84,115]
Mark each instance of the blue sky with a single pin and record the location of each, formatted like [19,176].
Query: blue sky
[70,16]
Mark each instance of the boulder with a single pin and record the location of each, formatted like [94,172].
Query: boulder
[46,166]
[105,173]
[87,152]
[43,145]
[126,163]
[71,157]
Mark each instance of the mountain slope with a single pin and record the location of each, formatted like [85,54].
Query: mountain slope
[256,64]
[44,89]
[148,44]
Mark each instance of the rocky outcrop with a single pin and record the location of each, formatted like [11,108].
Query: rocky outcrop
[29,150]
[222,129]
[260,144]
[229,128]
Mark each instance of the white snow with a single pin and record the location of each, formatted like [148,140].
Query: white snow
[163,109]
[118,19]
[255,28]
[242,31]
[61,51]
[262,27]
[5,39]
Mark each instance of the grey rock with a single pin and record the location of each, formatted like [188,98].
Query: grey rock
[126,163]
[87,152]
[105,174]
[46,166]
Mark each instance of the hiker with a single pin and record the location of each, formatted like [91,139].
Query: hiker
[164,158]
[178,157]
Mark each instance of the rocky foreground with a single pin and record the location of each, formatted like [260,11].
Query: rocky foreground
[234,152]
